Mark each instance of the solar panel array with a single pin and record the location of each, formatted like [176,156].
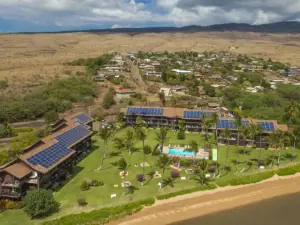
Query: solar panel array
[230,124]
[54,153]
[268,126]
[83,118]
[145,111]
[196,114]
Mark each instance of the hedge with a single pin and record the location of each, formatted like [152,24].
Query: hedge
[291,170]
[249,179]
[187,191]
[104,215]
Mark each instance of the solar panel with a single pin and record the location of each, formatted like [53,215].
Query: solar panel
[54,153]
[145,111]
[268,126]
[83,118]
[195,114]
[230,124]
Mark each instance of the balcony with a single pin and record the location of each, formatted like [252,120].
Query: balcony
[10,194]
[10,184]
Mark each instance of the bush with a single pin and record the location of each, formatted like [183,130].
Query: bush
[96,183]
[39,202]
[181,135]
[186,162]
[82,202]
[140,178]
[156,151]
[85,186]
[7,204]
[175,174]
[249,179]
[187,191]
[212,169]
[104,215]
[291,170]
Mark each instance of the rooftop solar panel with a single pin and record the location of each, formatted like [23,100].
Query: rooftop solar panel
[54,153]
[195,114]
[83,118]
[230,124]
[145,111]
[267,126]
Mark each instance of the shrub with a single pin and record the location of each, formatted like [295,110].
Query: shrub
[212,169]
[186,162]
[181,135]
[104,215]
[82,202]
[249,179]
[156,152]
[84,186]
[96,183]
[39,202]
[140,178]
[147,150]
[187,191]
[291,170]
[175,174]
[7,204]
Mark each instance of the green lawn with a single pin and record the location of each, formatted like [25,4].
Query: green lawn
[99,197]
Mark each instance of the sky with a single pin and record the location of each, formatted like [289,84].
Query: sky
[59,15]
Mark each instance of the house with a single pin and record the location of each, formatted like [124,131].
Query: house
[170,117]
[178,88]
[114,68]
[213,105]
[124,93]
[153,74]
[100,77]
[179,72]
[47,163]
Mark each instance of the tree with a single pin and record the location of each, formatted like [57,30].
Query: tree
[162,98]
[209,90]
[226,134]
[164,75]
[206,124]
[292,112]
[123,167]
[6,131]
[51,117]
[141,135]
[161,137]
[108,100]
[214,120]
[258,131]
[128,140]
[181,132]
[39,203]
[194,148]
[295,135]
[162,163]
[105,133]
[245,134]
[200,170]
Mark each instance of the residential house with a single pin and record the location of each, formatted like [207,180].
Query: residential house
[124,93]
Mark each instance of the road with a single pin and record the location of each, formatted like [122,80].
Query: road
[136,76]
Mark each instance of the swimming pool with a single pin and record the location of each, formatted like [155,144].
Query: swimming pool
[179,152]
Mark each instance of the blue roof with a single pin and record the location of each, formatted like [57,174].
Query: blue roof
[82,118]
[54,153]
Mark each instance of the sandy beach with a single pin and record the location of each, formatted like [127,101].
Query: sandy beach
[204,203]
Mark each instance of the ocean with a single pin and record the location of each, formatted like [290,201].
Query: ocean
[283,210]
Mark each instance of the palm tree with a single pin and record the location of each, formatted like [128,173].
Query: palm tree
[295,135]
[162,163]
[193,148]
[273,143]
[226,134]
[141,135]
[281,143]
[206,124]
[161,137]
[214,119]
[245,134]
[122,166]
[259,131]
[292,112]
[128,140]
[105,133]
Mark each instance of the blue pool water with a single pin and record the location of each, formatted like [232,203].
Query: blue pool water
[180,152]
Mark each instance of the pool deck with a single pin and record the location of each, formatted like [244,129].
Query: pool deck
[200,155]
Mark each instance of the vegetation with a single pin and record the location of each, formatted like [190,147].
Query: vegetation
[56,96]
[39,203]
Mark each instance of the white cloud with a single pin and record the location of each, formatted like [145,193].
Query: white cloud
[107,13]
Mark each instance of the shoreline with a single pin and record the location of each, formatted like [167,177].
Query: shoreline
[197,204]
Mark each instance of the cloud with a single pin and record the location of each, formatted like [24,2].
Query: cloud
[137,13]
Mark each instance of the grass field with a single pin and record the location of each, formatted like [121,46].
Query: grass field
[99,197]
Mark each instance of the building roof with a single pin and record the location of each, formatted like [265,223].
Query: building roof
[18,170]
[52,150]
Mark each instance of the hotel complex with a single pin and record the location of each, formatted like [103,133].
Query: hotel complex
[169,117]
[48,163]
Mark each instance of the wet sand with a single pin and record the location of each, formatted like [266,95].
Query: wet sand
[234,205]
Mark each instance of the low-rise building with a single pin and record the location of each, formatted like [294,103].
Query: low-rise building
[124,93]
[47,163]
